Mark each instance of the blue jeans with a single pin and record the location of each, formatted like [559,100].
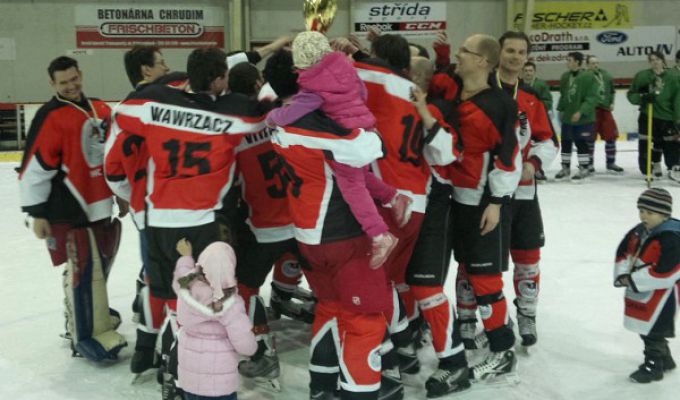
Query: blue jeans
[189,396]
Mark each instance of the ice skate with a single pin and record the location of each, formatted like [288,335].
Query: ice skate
[498,368]
[264,371]
[580,175]
[471,339]
[526,325]
[657,171]
[651,370]
[668,363]
[445,381]
[391,387]
[408,360]
[169,389]
[318,394]
[540,177]
[564,173]
[674,173]
[143,360]
[297,310]
[614,169]
[591,169]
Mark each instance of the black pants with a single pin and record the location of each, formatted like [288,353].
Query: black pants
[664,142]
[163,253]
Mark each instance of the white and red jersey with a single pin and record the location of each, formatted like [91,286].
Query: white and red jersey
[318,210]
[62,177]
[263,181]
[191,140]
[537,139]
[405,166]
[653,262]
[491,161]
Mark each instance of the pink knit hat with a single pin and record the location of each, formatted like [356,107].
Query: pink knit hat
[309,48]
[218,262]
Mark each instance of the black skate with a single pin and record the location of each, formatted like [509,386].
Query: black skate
[318,394]
[408,360]
[169,390]
[651,370]
[564,173]
[526,325]
[391,387]
[674,173]
[264,370]
[668,363]
[302,310]
[539,176]
[580,175]
[445,381]
[495,365]
[614,169]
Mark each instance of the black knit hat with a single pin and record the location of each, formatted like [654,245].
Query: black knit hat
[656,200]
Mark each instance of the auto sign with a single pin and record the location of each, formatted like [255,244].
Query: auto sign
[612,37]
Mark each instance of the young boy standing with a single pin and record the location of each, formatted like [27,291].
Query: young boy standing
[648,264]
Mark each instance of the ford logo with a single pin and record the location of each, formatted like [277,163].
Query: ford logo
[612,37]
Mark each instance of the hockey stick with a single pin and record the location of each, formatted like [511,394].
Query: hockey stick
[650,112]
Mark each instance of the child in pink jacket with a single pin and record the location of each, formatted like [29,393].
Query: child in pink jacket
[329,81]
[215,329]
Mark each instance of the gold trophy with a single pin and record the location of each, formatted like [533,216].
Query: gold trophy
[319,14]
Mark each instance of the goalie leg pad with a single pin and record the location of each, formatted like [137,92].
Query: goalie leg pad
[107,235]
[90,322]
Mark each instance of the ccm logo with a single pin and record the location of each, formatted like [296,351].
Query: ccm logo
[612,37]
[423,26]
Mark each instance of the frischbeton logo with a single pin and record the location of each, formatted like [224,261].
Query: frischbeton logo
[612,37]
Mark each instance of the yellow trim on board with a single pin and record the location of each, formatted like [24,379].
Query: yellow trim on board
[10,156]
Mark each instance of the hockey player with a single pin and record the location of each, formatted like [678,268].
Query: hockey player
[190,135]
[349,323]
[62,186]
[648,265]
[538,145]
[265,235]
[540,86]
[125,170]
[428,268]
[483,181]
[605,125]
[411,149]
[661,88]
[578,97]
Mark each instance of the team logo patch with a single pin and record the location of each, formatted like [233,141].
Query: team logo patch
[92,142]
[374,360]
[465,293]
[528,289]
[291,269]
[485,311]
[356,300]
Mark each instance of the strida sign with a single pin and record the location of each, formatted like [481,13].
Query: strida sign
[405,18]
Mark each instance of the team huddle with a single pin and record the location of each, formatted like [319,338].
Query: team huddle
[362,170]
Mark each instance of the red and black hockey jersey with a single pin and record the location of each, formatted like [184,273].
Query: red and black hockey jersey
[491,161]
[191,140]
[653,262]
[319,212]
[405,166]
[264,182]
[62,177]
[537,139]
[127,157]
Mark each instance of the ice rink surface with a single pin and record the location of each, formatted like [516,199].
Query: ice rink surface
[583,351]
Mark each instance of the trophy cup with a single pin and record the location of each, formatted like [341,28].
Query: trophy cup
[319,14]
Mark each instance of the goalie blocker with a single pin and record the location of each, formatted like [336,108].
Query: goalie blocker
[90,322]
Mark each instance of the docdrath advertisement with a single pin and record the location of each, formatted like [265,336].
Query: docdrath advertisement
[614,45]
[418,18]
[122,26]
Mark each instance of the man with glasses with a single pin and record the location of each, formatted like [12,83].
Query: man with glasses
[538,147]
[484,181]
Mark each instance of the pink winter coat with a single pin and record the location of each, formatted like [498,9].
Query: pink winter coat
[209,342]
[336,80]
